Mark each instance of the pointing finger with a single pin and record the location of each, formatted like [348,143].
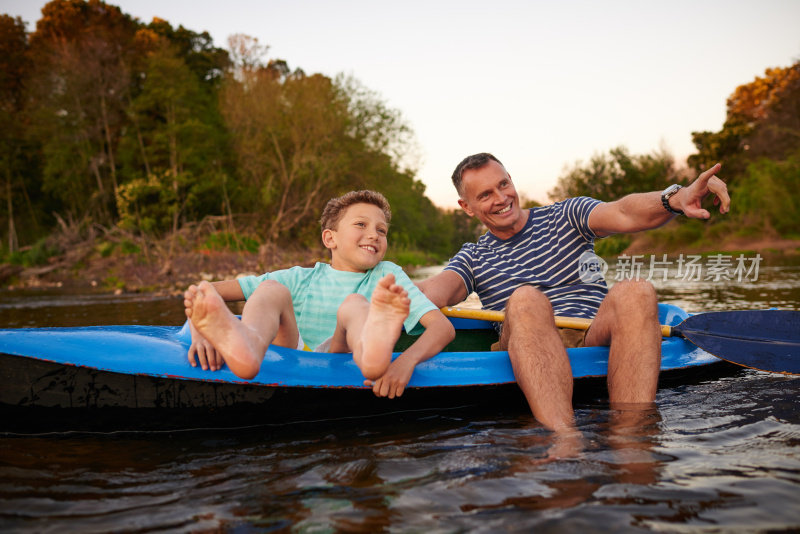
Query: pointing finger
[706,175]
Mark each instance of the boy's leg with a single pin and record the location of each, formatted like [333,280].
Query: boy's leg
[267,316]
[270,312]
[371,329]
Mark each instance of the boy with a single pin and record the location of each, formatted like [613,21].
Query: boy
[326,306]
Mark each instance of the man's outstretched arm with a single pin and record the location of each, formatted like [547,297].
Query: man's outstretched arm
[644,211]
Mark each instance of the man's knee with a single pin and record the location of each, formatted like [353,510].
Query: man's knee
[634,295]
[528,302]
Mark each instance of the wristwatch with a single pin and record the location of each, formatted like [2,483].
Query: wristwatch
[666,194]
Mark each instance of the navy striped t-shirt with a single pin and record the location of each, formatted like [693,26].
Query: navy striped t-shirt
[547,254]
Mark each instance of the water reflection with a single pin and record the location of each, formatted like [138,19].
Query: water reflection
[54,307]
[716,453]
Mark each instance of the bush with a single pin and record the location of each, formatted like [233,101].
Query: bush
[769,189]
[612,245]
[227,241]
[38,254]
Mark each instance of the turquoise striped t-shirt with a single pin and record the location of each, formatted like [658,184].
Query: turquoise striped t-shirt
[317,292]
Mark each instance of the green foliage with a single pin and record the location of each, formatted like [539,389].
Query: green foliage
[20,206]
[83,57]
[612,176]
[763,120]
[36,255]
[767,195]
[612,245]
[127,246]
[175,140]
[227,241]
[150,205]
[152,127]
[406,257]
[105,248]
[113,282]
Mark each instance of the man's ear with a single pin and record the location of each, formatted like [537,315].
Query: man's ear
[465,207]
[328,238]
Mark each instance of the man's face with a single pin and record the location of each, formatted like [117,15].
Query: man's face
[359,241]
[490,196]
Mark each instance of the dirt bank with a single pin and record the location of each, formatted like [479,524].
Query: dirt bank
[136,273]
[643,244]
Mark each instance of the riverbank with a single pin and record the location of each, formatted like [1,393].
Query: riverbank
[764,245]
[121,273]
[137,273]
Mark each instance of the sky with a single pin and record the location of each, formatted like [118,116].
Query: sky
[542,85]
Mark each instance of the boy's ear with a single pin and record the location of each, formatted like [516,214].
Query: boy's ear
[328,238]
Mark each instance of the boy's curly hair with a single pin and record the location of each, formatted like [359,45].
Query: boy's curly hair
[336,207]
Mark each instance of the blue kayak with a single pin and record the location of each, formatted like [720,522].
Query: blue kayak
[146,367]
[160,351]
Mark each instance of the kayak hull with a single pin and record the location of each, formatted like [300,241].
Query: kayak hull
[145,369]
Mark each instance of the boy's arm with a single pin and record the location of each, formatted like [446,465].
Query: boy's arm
[229,290]
[438,333]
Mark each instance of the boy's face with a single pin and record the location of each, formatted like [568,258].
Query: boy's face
[359,241]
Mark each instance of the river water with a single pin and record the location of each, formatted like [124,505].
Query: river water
[720,453]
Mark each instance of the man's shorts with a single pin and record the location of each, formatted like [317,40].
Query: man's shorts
[570,337]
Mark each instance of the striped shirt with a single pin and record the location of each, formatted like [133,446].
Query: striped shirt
[547,254]
[317,292]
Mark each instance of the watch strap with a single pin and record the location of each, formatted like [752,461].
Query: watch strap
[666,195]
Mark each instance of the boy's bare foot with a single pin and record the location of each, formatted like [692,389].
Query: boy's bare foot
[388,308]
[240,346]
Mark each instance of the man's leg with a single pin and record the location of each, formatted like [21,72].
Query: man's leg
[267,317]
[370,329]
[627,320]
[538,356]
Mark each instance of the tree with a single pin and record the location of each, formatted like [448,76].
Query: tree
[762,120]
[173,149]
[206,61]
[777,134]
[83,54]
[299,138]
[14,71]
[612,176]
[768,198]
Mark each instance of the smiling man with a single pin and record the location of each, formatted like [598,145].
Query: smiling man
[530,263]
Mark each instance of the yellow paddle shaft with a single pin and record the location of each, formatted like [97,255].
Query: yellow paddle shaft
[576,323]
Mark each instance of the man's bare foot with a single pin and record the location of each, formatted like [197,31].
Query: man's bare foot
[388,308]
[241,347]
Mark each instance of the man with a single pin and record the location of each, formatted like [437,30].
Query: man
[529,263]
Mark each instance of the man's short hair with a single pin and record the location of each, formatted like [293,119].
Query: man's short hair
[475,161]
[335,208]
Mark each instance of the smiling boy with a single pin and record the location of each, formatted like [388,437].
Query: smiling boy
[357,303]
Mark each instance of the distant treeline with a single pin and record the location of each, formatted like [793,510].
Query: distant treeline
[109,122]
[113,124]
[759,148]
